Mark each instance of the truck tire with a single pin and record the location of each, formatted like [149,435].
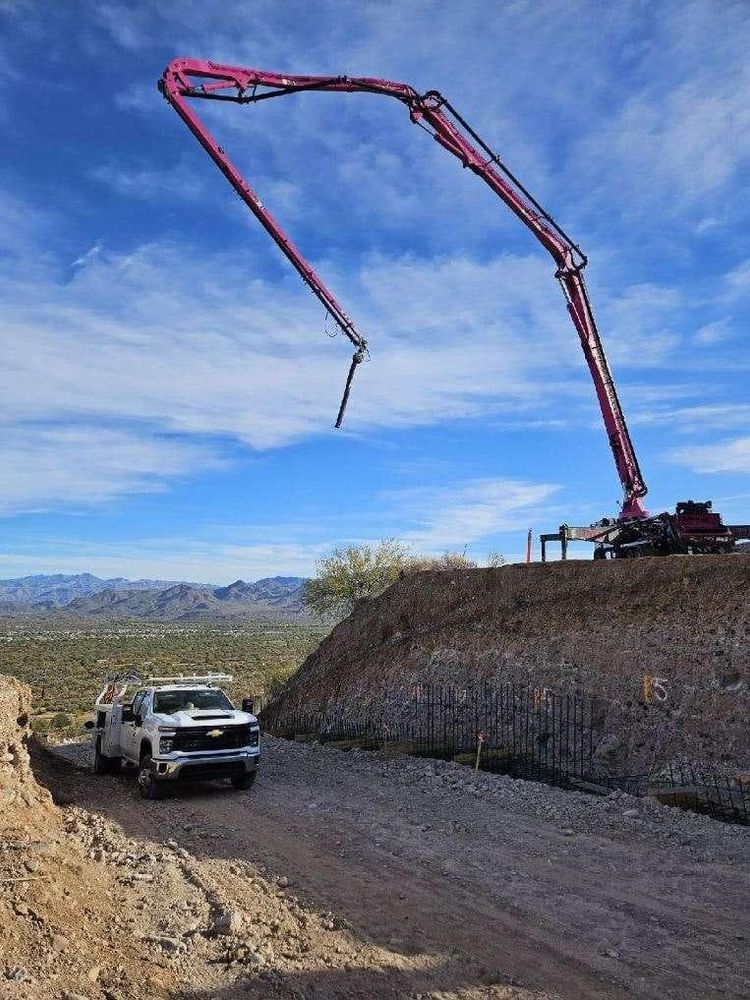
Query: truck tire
[149,786]
[104,764]
[243,782]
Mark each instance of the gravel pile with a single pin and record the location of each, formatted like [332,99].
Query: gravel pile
[576,812]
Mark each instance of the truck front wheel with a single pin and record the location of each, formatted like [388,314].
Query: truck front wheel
[243,782]
[148,785]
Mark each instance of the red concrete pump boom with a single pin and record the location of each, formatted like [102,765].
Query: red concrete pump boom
[187,79]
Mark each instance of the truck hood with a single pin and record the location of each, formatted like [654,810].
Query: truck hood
[206,717]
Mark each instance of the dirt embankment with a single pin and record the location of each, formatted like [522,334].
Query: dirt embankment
[594,627]
[62,918]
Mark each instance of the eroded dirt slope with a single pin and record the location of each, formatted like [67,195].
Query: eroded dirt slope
[596,627]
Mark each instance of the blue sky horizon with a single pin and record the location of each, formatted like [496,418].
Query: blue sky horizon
[168,389]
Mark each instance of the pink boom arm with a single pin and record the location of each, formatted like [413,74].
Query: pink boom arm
[193,78]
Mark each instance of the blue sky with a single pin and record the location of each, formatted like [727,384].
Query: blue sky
[168,389]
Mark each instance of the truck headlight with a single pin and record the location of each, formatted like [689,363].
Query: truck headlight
[165,744]
[254,738]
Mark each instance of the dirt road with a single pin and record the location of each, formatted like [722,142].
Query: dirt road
[433,881]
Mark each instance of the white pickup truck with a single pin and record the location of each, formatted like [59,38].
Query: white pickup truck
[174,730]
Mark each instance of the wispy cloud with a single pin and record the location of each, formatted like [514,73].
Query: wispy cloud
[195,347]
[682,133]
[625,122]
[470,512]
[641,323]
[732,455]
[202,347]
[699,417]
[737,282]
[714,332]
[74,466]
[149,183]
[89,255]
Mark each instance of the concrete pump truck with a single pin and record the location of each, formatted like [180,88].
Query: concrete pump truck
[693,527]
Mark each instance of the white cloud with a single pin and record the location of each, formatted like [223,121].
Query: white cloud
[714,332]
[737,282]
[703,416]
[682,134]
[630,101]
[469,512]
[148,183]
[50,467]
[732,455]
[199,347]
[191,343]
[89,255]
[640,324]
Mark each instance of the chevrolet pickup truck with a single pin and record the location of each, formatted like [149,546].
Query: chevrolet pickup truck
[174,730]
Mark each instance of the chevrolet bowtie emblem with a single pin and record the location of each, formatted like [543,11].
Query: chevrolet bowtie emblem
[215,732]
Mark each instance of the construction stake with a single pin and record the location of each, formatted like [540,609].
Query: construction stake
[480,741]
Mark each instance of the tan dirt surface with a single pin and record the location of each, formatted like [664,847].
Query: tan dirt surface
[348,874]
[592,627]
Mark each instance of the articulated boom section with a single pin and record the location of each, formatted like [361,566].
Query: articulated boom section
[195,79]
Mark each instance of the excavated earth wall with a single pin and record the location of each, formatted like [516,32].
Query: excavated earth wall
[54,901]
[18,789]
[601,628]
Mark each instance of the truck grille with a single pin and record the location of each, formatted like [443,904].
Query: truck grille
[205,738]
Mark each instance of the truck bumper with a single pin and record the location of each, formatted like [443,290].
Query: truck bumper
[206,766]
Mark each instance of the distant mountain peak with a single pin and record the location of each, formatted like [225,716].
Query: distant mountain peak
[86,595]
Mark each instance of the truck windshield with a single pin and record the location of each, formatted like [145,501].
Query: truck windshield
[169,702]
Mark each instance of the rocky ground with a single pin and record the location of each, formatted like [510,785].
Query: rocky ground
[351,874]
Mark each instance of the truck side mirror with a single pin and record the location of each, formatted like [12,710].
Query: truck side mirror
[138,720]
[248,704]
[89,724]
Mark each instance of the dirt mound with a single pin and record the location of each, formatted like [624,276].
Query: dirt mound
[602,628]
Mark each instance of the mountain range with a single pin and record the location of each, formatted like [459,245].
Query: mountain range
[87,596]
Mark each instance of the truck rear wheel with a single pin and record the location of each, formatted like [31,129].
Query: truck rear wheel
[104,764]
[149,786]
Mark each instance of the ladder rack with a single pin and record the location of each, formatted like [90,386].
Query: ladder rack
[182,680]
